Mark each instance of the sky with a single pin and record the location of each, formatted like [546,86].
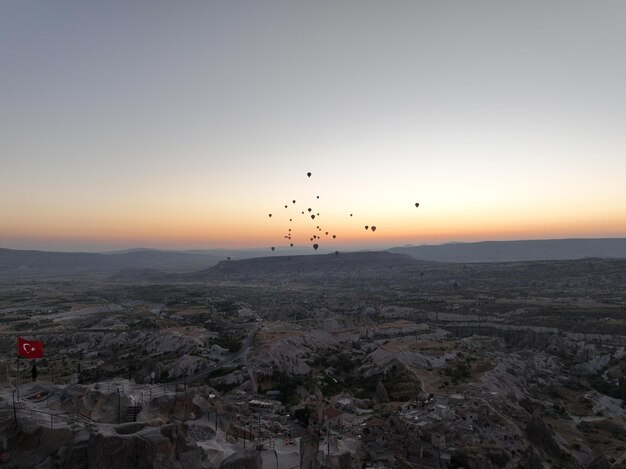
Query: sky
[182,125]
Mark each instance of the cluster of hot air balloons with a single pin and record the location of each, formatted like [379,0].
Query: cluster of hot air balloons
[315,237]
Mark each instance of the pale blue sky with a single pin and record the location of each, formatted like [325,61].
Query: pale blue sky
[174,124]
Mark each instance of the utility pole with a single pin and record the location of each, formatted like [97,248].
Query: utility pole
[14,411]
[328,433]
[118,405]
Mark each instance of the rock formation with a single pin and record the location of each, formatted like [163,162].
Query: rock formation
[147,447]
[598,460]
[243,460]
[531,459]
[380,395]
[543,436]
[309,448]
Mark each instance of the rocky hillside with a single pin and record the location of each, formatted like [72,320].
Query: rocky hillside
[522,250]
[318,264]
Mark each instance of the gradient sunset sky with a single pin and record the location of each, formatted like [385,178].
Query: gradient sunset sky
[183,124]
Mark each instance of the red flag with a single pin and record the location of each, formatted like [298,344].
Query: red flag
[29,348]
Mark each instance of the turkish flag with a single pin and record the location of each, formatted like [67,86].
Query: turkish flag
[29,348]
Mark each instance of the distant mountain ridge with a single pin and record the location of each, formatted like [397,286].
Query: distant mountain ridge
[25,261]
[522,250]
[72,262]
[29,261]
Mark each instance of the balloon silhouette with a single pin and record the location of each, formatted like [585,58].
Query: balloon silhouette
[315,246]
[320,230]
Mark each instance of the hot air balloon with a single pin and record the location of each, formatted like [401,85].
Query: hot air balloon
[336,253]
[294,201]
[228,258]
[334,236]
[327,233]
[373,228]
[273,248]
[291,244]
[309,209]
[270,215]
[318,196]
[366,227]
[312,217]
[290,219]
[350,214]
[417,204]
[289,229]
[308,174]
[315,246]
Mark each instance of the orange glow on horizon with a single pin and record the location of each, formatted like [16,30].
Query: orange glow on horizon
[190,222]
[391,233]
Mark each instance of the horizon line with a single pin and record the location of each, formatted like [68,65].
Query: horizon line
[344,249]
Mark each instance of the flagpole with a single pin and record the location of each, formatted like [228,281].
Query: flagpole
[17,367]
[17,383]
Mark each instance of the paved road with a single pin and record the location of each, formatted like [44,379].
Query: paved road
[227,359]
